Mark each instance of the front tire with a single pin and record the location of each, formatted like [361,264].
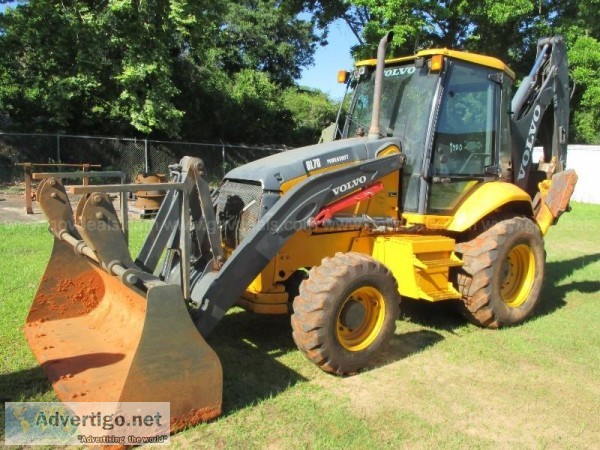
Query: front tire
[502,275]
[346,312]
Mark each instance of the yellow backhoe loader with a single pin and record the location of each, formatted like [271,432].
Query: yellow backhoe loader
[431,192]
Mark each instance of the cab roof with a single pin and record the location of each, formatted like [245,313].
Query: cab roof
[475,58]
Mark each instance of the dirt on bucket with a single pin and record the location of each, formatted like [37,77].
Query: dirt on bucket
[72,297]
[84,330]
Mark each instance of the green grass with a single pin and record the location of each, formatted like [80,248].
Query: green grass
[442,383]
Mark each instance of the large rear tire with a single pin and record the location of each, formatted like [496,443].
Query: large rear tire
[346,312]
[501,279]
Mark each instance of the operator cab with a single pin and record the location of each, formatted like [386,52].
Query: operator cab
[451,112]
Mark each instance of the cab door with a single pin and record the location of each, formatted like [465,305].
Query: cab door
[466,137]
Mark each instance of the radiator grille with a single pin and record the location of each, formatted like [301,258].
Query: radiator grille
[238,209]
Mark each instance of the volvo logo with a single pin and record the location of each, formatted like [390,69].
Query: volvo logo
[349,185]
[526,159]
[399,71]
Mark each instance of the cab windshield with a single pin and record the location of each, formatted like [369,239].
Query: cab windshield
[407,96]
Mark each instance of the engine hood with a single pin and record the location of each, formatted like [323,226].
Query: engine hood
[271,172]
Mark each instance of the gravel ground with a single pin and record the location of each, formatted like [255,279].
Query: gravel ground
[12,207]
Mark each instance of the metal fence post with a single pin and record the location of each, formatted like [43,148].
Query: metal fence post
[223,164]
[58,147]
[28,202]
[146,159]
[84,168]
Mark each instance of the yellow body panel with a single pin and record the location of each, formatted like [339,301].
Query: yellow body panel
[306,250]
[264,296]
[545,219]
[363,245]
[420,264]
[484,200]
[475,58]
[430,221]
[264,282]
[267,295]
[385,202]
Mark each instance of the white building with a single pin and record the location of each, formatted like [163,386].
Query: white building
[585,160]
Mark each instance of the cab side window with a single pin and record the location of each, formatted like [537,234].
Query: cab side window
[466,127]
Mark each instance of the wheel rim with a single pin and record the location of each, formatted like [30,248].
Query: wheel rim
[360,319]
[518,275]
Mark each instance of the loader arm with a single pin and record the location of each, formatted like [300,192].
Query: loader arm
[166,227]
[210,286]
[218,291]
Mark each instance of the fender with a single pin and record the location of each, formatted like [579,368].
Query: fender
[488,198]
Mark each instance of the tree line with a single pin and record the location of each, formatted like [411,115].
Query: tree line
[229,70]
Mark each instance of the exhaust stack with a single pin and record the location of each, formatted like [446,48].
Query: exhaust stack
[374,131]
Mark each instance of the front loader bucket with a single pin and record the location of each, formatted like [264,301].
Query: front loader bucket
[99,340]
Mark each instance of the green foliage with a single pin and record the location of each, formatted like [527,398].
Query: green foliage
[82,64]
[176,68]
[312,112]
[585,66]
[507,29]
[257,108]
[419,24]
[254,37]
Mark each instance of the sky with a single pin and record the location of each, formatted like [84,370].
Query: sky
[4,6]
[329,60]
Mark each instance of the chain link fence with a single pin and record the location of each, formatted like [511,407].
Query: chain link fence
[131,156]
